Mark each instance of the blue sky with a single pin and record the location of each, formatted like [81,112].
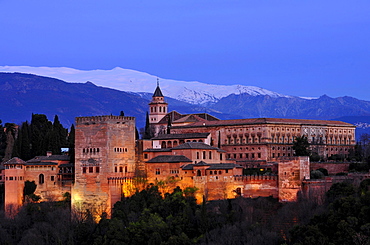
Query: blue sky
[303,48]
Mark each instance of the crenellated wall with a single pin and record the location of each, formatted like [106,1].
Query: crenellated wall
[105,148]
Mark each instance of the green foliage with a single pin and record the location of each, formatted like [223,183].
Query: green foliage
[316,174]
[40,136]
[28,191]
[359,167]
[324,171]
[2,141]
[315,157]
[301,146]
[345,220]
[29,187]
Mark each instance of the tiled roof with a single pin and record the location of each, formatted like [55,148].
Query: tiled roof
[196,145]
[269,121]
[189,118]
[157,92]
[41,163]
[224,166]
[15,160]
[169,159]
[158,150]
[180,118]
[211,166]
[50,158]
[181,136]
[65,165]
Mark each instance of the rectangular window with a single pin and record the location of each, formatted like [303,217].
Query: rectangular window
[91,169]
[259,155]
[10,178]
[121,169]
[115,169]
[51,178]
[84,170]
[145,156]
[220,156]
[226,171]
[97,169]
[252,155]
[157,171]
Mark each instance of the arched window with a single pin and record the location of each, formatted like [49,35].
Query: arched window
[164,144]
[41,179]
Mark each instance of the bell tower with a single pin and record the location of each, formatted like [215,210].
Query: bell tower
[157,107]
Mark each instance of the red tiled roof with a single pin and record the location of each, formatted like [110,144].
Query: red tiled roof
[269,121]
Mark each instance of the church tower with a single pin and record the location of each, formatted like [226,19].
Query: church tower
[157,107]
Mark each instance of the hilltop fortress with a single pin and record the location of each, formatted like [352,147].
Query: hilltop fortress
[215,159]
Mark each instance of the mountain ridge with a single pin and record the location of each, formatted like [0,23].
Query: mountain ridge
[192,92]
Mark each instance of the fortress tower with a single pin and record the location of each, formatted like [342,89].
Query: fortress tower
[105,152]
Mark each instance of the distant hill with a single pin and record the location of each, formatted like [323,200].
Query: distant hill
[24,94]
[324,107]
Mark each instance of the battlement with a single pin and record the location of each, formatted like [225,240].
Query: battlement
[96,119]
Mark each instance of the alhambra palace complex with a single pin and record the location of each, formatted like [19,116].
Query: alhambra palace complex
[193,150]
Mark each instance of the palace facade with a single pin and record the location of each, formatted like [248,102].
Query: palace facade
[218,159]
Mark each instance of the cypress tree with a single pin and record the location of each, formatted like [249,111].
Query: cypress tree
[147,132]
[71,143]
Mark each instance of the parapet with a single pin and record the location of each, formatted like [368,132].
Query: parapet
[98,119]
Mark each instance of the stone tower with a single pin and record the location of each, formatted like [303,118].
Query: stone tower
[157,107]
[104,153]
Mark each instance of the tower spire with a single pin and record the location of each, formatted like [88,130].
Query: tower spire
[157,82]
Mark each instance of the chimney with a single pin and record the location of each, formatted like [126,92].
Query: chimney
[49,153]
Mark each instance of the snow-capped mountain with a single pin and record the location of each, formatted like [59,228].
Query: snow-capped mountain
[135,81]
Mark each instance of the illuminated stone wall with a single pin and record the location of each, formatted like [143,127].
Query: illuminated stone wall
[104,150]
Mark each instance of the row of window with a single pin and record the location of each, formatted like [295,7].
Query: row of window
[204,155]
[120,169]
[13,166]
[244,156]
[90,150]
[120,149]
[13,178]
[278,155]
[160,109]
[245,129]
[242,140]
[170,144]
[90,169]
[21,178]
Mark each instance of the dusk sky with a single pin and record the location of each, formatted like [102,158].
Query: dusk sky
[302,48]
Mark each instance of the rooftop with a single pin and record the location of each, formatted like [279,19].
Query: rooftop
[169,159]
[15,160]
[196,145]
[269,121]
[181,136]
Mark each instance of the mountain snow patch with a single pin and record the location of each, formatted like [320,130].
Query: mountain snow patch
[135,81]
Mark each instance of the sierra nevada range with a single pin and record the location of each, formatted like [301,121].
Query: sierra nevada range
[26,94]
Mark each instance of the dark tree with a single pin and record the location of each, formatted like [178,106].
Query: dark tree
[147,129]
[301,146]
[71,143]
